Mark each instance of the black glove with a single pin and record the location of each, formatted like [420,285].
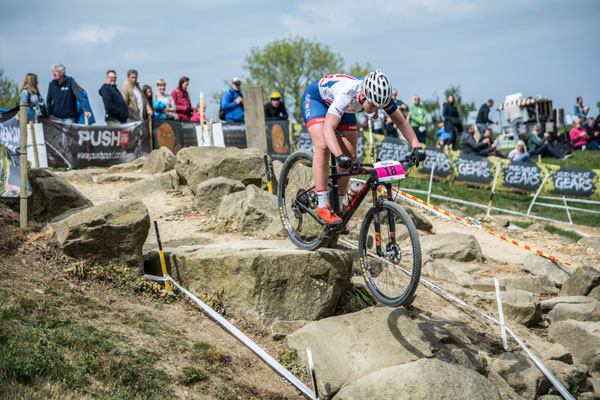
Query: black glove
[344,161]
[418,154]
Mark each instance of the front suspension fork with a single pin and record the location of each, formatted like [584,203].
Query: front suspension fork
[377,224]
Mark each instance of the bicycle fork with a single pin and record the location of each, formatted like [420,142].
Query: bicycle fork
[392,248]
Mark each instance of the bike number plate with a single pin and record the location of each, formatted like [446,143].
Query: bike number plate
[389,170]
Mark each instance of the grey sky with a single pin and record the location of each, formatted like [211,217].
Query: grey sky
[490,48]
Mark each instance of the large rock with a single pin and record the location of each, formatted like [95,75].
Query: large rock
[578,312]
[161,160]
[506,392]
[53,196]
[582,339]
[521,374]
[557,352]
[158,183]
[81,175]
[423,379]
[453,245]
[572,377]
[581,282]
[264,280]
[395,337]
[111,232]
[548,305]
[198,164]
[452,271]
[534,284]
[595,293]
[421,222]
[210,193]
[522,307]
[592,241]
[253,210]
[541,266]
[132,166]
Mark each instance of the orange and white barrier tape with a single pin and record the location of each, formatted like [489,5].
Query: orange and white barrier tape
[438,210]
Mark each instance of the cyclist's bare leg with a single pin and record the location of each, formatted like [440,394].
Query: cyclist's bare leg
[348,145]
[320,166]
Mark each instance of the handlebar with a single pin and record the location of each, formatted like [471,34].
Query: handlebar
[408,162]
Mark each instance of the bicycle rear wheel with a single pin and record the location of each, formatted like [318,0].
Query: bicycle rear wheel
[393,275]
[297,198]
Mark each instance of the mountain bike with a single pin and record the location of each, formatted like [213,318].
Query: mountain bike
[389,251]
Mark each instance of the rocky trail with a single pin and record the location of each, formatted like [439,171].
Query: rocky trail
[223,241]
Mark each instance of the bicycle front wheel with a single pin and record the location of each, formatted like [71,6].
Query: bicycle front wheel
[390,254]
[297,198]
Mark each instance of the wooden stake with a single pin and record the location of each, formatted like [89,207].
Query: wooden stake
[23,160]
[36,158]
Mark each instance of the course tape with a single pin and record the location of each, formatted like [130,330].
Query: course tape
[438,210]
[555,382]
[239,335]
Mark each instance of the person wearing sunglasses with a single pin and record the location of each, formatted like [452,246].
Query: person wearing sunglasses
[331,104]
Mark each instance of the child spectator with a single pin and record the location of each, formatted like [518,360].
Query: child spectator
[81,113]
[444,136]
[31,95]
[196,116]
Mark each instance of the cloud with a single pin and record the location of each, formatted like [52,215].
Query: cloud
[94,34]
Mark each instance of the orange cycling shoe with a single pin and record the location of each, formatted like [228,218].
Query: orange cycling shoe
[329,216]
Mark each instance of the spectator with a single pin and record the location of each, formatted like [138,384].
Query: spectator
[147,93]
[132,95]
[63,94]
[116,109]
[483,116]
[488,137]
[401,105]
[30,94]
[579,110]
[181,97]
[377,122]
[514,116]
[452,121]
[275,109]
[468,145]
[519,153]
[444,137]
[81,120]
[232,102]
[389,127]
[592,130]
[196,116]
[163,104]
[580,137]
[538,146]
[418,118]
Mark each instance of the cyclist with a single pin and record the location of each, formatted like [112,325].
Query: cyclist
[331,103]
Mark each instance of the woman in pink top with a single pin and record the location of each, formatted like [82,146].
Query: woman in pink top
[183,104]
[580,138]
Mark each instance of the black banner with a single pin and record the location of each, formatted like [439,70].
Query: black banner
[10,164]
[573,182]
[443,166]
[234,134]
[278,139]
[473,170]
[523,176]
[77,146]
[174,134]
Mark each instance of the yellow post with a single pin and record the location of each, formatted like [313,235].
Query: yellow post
[202,114]
[162,258]
[23,160]
[87,122]
[36,158]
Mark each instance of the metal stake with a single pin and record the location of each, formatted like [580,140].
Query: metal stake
[536,194]
[502,326]
[430,182]
[313,376]
[487,214]
[23,162]
[568,212]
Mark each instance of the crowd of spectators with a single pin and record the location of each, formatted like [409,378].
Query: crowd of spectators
[67,101]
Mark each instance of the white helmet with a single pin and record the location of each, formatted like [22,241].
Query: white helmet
[377,88]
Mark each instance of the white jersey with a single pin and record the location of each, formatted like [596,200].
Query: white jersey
[340,93]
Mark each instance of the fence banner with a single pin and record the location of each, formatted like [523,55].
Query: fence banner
[10,163]
[234,134]
[278,139]
[443,170]
[573,182]
[520,176]
[174,134]
[77,146]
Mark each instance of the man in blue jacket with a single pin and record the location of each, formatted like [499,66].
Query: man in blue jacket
[232,102]
[116,108]
[63,94]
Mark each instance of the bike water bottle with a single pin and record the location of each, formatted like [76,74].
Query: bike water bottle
[352,192]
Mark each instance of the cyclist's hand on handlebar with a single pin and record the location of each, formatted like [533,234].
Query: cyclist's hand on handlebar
[418,155]
[344,161]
